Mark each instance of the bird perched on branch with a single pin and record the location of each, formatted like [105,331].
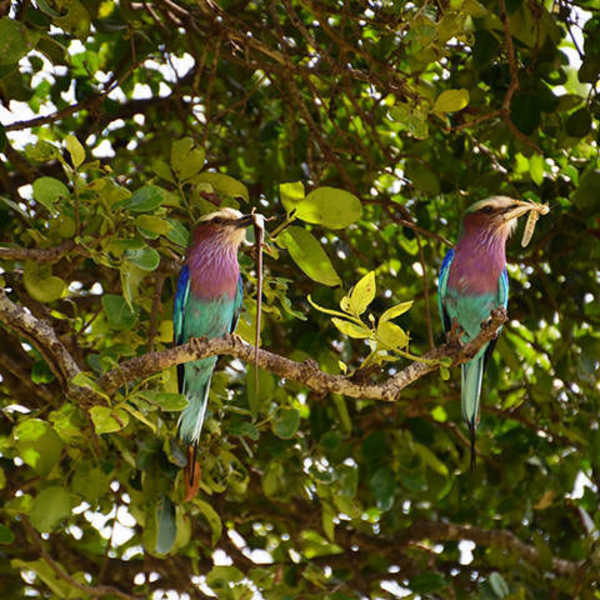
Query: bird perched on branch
[207,304]
[472,282]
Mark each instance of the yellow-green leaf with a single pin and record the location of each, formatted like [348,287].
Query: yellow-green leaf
[451,100]
[536,168]
[185,159]
[345,304]
[152,224]
[395,311]
[309,255]
[363,294]
[391,335]
[40,284]
[291,194]
[330,207]
[76,150]
[327,311]
[224,185]
[211,515]
[351,329]
[107,420]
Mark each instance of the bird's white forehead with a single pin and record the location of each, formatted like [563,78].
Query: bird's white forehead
[224,213]
[495,202]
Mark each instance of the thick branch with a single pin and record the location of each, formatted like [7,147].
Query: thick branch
[40,255]
[306,373]
[42,336]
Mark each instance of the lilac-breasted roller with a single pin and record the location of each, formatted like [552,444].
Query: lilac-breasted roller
[472,282]
[207,304]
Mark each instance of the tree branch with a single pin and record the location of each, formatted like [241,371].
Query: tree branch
[41,335]
[499,538]
[306,373]
[40,255]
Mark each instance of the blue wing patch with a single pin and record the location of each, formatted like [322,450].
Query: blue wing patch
[181,295]
[503,288]
[443,286]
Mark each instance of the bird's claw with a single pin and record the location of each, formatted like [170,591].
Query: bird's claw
[455,333]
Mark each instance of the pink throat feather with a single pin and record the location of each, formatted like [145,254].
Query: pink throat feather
[214,268]
[479,258]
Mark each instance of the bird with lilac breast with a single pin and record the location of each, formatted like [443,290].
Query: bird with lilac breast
[207,304]
[472,282]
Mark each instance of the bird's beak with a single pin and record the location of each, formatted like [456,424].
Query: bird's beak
[518,209]
[244,221]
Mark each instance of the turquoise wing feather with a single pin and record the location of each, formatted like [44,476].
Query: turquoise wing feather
[443,288]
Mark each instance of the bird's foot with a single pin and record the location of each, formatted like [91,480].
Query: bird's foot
[455,333]
[498,314]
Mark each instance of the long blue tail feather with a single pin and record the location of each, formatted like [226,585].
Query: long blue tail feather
[472,375]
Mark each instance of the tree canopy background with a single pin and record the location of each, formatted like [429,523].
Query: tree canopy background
[379,122]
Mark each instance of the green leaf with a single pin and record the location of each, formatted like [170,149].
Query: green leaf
[391,336]
[131,277]
[395,311]
[423,178]
[498,585]
[451,101]
[351,329]
[167,401]
[50,507]
[363,294]
[178,234]
[525,112]
[151,226]
[266,389]
[185,159]
[13,41]
[40,284]
[588,191]
[145,258]
[383,487]
[328,311]
[309,255]
[579,123]
[144,199]
[430,459]
[214,521]
[108,420]
[536,168]
[118,313]
[47,191]
[330,207]
[291,194]
[38,445]
[286,423]
[219,579]
[76,150]
[166,528]
[426,583]
[41,373]
[6,535]
[76,20]
[224,185]
[90,482]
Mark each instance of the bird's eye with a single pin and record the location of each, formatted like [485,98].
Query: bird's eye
[217,220]
[488,210]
